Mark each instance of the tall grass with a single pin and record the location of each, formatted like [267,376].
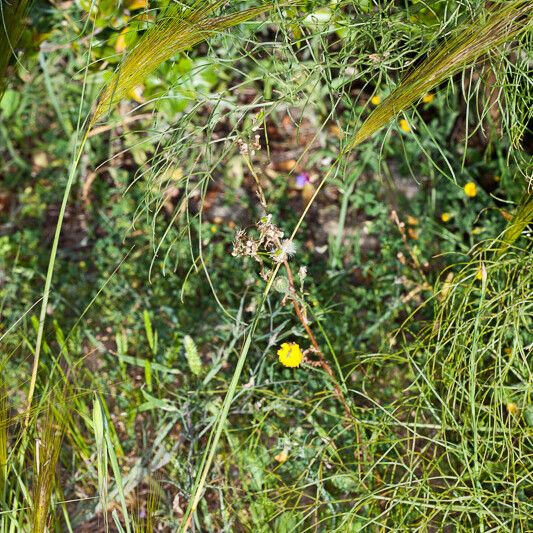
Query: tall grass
[177,29]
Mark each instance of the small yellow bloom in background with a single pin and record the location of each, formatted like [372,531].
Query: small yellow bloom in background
[120,45]
[213,229]
[413,234]
[375,100]
[446,217]
[428,98]
[290,354]
[136,4]
[497,178]
[404,125]
[481,273]
[477,230]
[513,409]
[508,351]
[412,221]
[470,189]
[282,456]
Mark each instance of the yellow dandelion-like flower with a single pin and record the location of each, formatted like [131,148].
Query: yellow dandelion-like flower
[412,221]
[375,100]
[404,125]
[513,409]
[428,98]
[290,354]
[446,217]
[470,189]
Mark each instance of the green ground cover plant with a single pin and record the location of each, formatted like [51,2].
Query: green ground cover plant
[266,266]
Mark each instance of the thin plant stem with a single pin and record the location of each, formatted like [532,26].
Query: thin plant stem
[49,275]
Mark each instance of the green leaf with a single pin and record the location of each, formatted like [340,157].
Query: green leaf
[9,102]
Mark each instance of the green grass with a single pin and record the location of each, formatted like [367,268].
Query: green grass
[157,400]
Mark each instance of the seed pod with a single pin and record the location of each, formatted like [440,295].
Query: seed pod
[191,353]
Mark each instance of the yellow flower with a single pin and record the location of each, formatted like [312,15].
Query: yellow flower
[481,273]
[428,98]
[470,189]
[290,354]
[412,221]
[136,4]
[513,409]
[120,45]
[404,125]
[282,456]
[375,100]
[446,217]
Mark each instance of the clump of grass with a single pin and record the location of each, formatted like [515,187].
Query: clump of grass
[404,469]
[472,381]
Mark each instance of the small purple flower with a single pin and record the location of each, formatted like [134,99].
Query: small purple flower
[302,179]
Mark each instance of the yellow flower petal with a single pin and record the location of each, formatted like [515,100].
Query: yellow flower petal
[121,45]
[470,189]
[375,100]
[282,456]
[446,217]
[136,4]
[290,354]
[404,125]
[513,409]
[428,98]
